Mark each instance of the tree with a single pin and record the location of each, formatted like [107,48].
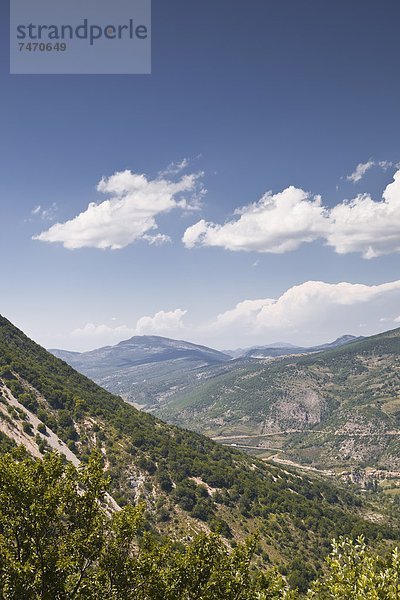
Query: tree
[58,542]
[52,526]
[354,571]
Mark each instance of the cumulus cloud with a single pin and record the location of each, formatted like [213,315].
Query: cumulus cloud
[245,312]
[314,311]
[162,323]
[276,223]
[304,301]
[363,225]
[128,214]
[282,222]
[305,314]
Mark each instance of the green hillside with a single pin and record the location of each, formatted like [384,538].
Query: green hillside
[337,409]
[188,482]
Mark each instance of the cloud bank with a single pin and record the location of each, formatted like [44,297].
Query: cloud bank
[282,222]
[129,214]
[309,313]
[163,323]
[303,304]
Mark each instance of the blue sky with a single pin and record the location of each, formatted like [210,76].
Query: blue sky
[253,97]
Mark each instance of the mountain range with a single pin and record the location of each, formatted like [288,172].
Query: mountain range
[333,407]
[188,482]
[144,369]
[277,349]
[149,371]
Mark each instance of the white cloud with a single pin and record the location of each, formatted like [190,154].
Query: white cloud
[245,312]
[363,225]
[313,310]
[304,301]
[46,214]
[162,323]
[129,214]
[277,223]
[175,167]
[386,164]
[362,168]
[282,222]
[157,240]
[305,314]
[360,171]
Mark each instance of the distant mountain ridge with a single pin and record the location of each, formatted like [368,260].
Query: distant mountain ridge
[242,351]
[276,350]
[145,348]
[143,368]
[150,370]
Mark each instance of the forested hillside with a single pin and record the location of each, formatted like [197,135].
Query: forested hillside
[58,541]
[338,409]
[187,482]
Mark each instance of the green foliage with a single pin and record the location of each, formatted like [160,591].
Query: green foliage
[51,526]
[29,401]
[353,571]
[6,444]
[42,428]
[27,428]
[296,515]
[56,541]
[164,480]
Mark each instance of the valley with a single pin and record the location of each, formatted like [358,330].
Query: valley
[334,408]
[187,482]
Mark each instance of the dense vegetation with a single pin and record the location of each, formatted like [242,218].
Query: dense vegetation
[57,542]
[187,482]
[341,407]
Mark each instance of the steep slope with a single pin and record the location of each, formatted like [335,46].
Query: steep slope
[335,409]
[187,481]
[144,369]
